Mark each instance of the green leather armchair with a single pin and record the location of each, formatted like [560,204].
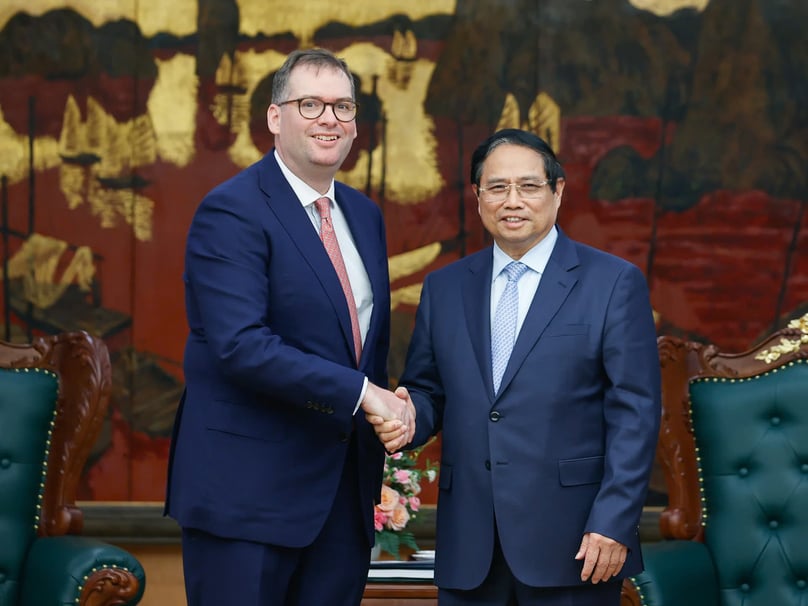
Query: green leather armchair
[54,395]
[734,450]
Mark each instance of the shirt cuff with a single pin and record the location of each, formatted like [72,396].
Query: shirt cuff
[361,395]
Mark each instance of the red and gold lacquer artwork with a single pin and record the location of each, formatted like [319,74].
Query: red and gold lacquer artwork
[679,124]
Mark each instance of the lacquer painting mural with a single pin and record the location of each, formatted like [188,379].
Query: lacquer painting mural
[682,125]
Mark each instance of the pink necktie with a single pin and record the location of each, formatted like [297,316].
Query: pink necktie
[329,239]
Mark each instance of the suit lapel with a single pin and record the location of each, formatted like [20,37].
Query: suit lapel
[359,225]
[282,201]
[477,306]
[554,288]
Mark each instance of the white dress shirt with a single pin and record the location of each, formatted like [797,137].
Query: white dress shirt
[536,260]
[357,275]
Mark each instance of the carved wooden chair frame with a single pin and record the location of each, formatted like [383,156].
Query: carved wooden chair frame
[681,361]
[83,366]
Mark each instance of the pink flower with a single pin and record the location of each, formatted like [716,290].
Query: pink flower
[398,518]
[389,499]
[402,476]
[379,519]
[415,503]
[396,456]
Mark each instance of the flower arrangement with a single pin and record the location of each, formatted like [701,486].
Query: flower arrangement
[399,503]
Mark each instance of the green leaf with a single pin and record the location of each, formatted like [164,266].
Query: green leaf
[408,539]
[389,542]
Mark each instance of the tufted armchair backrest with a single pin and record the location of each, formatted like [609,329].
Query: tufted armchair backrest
[53,397]
[27,407]
[81,364]
[733,449]
[751,435]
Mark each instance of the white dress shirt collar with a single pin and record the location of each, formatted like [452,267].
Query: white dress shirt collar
[304,192]
[536,258]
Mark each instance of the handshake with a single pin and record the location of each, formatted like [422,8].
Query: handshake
[392,415]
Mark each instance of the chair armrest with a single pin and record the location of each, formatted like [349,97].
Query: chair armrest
[677,572]
[72,570]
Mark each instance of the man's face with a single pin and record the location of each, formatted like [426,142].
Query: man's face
[313,149]
[517,223]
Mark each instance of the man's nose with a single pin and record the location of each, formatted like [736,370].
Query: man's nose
[513,197]
[329,114]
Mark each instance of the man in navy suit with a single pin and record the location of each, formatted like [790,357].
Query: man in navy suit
[545,459]
[272,474]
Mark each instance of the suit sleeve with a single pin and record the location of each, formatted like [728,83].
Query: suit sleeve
[227,262]
[420,375]
[632,408]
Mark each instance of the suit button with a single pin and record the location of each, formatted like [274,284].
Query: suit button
[488,465]
[495,416]
[343,437]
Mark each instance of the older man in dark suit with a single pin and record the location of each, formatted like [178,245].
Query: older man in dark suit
[537,360]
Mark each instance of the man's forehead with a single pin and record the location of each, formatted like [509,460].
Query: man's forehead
[313,70]
[309,74]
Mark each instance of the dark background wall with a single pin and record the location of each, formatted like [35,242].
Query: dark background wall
[684,134]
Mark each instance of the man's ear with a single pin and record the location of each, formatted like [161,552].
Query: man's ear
[273,119]
[559,190]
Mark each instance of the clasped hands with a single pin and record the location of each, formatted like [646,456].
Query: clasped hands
[392,415]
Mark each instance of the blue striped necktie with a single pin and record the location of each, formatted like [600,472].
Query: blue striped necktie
[503,332]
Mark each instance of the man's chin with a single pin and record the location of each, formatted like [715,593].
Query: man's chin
[332,161]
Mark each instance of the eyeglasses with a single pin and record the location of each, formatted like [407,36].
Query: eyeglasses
[312,107]
[501,191]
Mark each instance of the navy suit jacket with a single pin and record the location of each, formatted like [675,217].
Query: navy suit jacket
[271,376]
[568,444]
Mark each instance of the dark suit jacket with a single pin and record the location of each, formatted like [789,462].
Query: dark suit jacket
[568,444]
[271,377]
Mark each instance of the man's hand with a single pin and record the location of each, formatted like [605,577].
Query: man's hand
[392,416]
[603,557]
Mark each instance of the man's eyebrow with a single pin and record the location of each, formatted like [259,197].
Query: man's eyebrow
[496,179]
